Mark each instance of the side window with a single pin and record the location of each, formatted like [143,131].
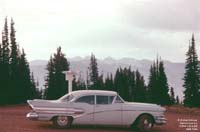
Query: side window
[101,99]
[86,99]
[118,100]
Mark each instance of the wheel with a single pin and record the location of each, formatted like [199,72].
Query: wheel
[62,121]
[145,123]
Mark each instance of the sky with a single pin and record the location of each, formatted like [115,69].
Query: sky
[138,29]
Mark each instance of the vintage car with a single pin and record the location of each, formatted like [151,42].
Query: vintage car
[96,107]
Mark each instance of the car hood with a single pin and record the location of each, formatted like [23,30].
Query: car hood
[144,106]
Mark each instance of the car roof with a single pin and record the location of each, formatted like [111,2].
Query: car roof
[93,92]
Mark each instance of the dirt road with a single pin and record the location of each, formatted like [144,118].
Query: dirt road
[12,119]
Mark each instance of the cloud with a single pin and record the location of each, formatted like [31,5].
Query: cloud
[117,28]
[172,15]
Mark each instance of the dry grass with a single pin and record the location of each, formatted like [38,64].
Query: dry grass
[183,110]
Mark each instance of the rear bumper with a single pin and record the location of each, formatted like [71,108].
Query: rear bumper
[32,116]
[160,120]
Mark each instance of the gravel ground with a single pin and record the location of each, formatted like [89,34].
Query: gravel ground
[12,119]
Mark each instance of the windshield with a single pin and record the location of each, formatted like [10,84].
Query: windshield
[119,99]
[67,97]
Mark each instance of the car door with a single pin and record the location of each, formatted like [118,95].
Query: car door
[86,103]
[106,111]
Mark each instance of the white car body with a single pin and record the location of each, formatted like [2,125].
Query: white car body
[115,111]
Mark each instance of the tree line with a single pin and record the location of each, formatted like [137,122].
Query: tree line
[17,84]
[128,83]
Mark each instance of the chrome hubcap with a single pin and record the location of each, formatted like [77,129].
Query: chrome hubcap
[62,120]
[147,124]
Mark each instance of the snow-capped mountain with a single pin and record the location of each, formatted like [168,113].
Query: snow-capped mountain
[174,71]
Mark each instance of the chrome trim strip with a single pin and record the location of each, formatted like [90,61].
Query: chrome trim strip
[77,109]
[61,112]
[57,109]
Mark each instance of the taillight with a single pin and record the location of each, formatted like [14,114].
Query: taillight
[30,107]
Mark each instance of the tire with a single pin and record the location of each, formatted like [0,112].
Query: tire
[62,122]
[145,123]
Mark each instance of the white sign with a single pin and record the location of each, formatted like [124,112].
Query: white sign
[69,75]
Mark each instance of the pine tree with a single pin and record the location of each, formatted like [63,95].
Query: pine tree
[50,80]
[87,79]
[120,83]
[1,58]
[56,83]
[172,96]
[177,100]
[100,83]
[125,80]
[152,85]
[1,77]
[109,84]
[14,56]
[26,90]
[117,80]
[163,86]
[140,88]
[14,90]
[93,73]
[61,64]
[130,85]
[4,80]
[35,93]
[192,77]
[15,78]
[158,85]
[78,84]
[5,44]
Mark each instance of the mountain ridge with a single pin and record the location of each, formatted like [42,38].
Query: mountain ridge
[174,70]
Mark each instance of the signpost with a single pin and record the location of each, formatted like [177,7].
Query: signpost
[69,76]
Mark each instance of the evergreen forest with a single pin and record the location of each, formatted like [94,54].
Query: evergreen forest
[17,83]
